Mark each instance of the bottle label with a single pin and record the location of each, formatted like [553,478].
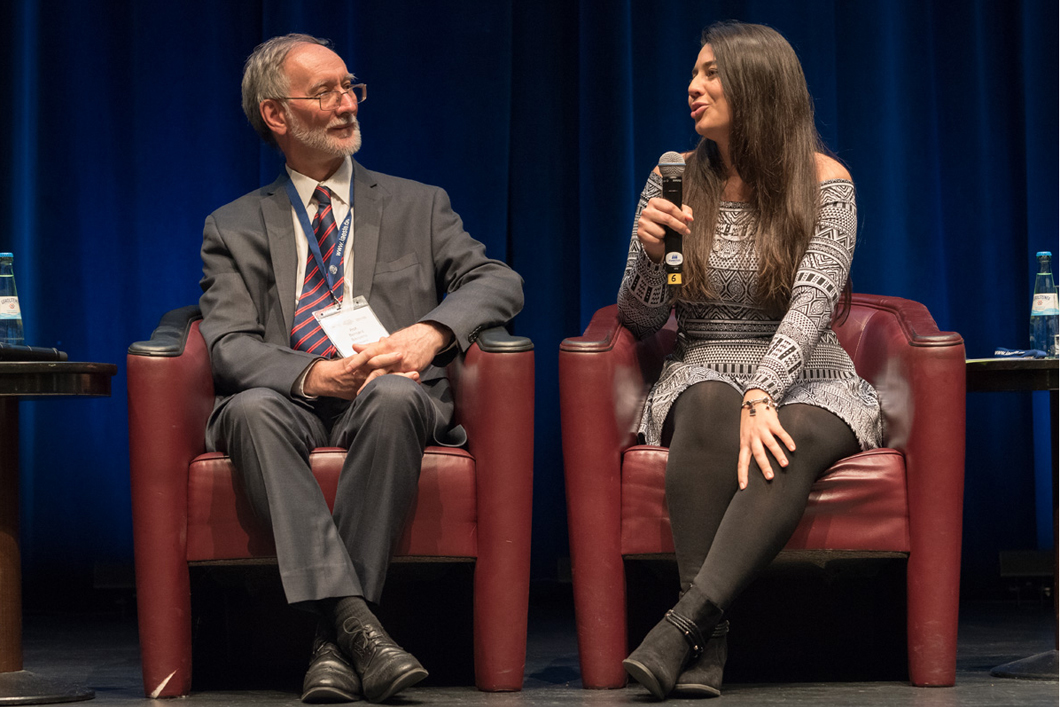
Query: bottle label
[9,308]
[1044,303]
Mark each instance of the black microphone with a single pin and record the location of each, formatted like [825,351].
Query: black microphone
[18,352]
[672,166]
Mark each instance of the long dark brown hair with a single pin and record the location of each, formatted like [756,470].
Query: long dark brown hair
[773,144]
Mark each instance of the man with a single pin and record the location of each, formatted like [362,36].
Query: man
[327,232]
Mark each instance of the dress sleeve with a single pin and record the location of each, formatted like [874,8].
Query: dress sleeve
[644,299]
[819,281]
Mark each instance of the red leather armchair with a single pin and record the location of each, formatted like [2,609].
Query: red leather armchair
[472,503]
[905,498]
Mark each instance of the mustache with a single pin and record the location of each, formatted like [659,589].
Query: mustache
[347,122]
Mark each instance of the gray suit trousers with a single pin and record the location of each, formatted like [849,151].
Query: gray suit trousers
[269,437]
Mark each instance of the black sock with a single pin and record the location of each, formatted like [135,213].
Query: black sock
[348,608]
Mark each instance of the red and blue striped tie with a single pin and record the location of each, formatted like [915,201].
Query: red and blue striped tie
[306,334]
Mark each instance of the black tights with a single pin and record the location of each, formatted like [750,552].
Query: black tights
[724,537]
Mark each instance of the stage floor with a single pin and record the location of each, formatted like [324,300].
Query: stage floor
[100,651]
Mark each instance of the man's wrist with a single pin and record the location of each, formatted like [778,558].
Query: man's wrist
[445,335]
[299,385]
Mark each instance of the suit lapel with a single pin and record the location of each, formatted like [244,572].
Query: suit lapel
[368,201]
[276,211]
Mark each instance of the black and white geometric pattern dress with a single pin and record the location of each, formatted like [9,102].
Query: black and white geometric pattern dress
[797,359]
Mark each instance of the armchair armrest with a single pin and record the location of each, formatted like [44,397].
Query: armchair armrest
[170,398]
[170,335]
[494,391]
[919,373]
[498,340]
[170,392]
[604,376]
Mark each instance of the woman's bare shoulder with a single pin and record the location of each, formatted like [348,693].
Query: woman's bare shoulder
[829,168]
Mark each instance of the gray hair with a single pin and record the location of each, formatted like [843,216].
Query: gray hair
[263,77]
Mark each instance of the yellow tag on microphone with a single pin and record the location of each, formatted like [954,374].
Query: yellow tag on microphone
[673,278]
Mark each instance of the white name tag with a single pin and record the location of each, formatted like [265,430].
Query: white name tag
[351,323]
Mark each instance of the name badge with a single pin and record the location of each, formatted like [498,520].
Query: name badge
[351,323]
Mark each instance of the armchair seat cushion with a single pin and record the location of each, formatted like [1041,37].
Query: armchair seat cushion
[222,525]
[860,504]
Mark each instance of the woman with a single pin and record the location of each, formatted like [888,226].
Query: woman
[758,398]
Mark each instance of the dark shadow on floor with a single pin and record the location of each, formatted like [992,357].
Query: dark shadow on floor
[806,619]
[246,636]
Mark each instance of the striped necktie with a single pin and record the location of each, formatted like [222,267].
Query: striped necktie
[306,335]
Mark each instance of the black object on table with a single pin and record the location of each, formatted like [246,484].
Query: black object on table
[30,379]
[18,352]
[1023,374]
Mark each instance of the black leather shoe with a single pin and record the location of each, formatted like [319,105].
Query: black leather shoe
[330,677]
[385,668]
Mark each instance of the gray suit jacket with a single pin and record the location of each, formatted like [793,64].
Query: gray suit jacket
[413,261]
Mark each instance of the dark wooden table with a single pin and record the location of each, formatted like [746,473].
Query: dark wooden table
[34,379]
[996,374]
[1023,374]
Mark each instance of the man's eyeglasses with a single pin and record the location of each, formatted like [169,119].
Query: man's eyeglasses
[330,100]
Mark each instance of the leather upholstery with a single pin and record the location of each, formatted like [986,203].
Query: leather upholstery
[472,503]
[859,505]
[221,524]
[903,498]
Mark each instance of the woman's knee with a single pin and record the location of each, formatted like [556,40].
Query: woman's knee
[810,425]
[705,415]
[818,431]
[709,398]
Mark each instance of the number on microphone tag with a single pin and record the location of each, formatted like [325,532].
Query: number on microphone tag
[674,278]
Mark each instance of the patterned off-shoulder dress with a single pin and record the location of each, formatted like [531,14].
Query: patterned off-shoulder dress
[796,359]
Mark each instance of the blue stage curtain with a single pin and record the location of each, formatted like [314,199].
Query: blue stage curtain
[123,129]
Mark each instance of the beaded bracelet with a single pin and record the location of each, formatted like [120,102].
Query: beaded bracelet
[750,404]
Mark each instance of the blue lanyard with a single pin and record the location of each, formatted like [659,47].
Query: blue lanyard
[334,273]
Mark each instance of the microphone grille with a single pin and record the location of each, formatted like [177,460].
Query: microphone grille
[671,165]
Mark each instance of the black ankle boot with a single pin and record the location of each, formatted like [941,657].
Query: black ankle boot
[702,678]
[672,643]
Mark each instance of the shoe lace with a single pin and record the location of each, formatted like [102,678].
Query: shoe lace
[364,637]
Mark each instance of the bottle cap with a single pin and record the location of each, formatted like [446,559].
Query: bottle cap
[1040,253]
[7,255]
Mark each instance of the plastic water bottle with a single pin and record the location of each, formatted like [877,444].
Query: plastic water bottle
[1044,309]
[10,314]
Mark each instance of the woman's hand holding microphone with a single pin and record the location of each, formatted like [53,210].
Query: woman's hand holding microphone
[658,215]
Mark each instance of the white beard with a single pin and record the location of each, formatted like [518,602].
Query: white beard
[319,139]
